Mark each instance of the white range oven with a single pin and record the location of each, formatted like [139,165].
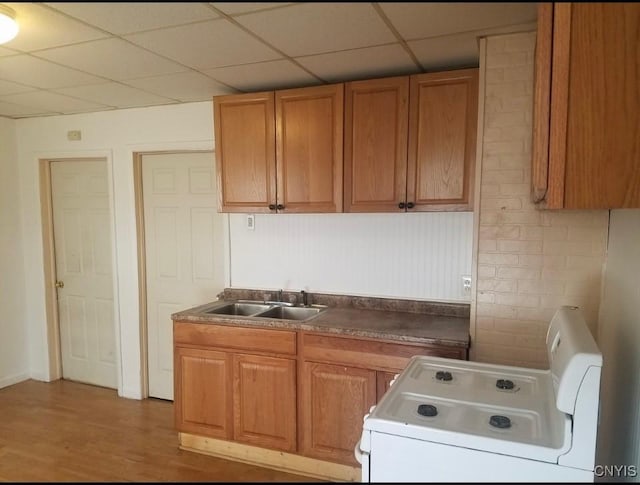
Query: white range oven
[450,420]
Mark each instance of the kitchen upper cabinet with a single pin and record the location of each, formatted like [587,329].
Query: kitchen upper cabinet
[309,132]
[586,153]
[375,144]
[443,119]
[265,401]
[410,142]
[245,152]
[280,152]
[203,392]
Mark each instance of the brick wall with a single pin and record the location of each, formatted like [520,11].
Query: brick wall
[529,262]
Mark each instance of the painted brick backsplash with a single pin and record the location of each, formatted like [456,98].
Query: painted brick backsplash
[529,261]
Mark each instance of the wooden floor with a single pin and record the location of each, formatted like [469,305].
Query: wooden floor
[66,431]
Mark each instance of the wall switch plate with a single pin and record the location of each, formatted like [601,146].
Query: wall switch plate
[466,285]
[251,222]
[74,135]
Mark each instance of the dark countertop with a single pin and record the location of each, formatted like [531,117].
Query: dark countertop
[402,326]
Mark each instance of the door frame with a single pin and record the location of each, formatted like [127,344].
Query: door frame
[142,258]
[49,263]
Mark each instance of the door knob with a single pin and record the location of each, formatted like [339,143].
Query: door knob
[59,284]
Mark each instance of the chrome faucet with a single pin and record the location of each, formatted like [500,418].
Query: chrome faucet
[279,295]
[304,295]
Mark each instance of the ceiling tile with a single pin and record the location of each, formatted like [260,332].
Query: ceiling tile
[7,87]
[263,75]
[31,71]
[233,8]
[47,101]
[114,94]
[388,60]
[424,19]
[185,86]
[314,28]
[206,45]
[111,58]
[459,50]
[13,110]
[7,52]
[42,28]
[124,18]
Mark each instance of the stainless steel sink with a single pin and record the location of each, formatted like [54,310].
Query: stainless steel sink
[291,312]
[244,309]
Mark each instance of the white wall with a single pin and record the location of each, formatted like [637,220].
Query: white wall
[619,340]
[114,135]
[14,363]
[411,255]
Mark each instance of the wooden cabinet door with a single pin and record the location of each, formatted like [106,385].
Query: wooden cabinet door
[203,392]
[443,120]
[265,401]
[541,104]
[335,399]
[384,383]
[375,145]
[309,128]
[595,105]
[245,152]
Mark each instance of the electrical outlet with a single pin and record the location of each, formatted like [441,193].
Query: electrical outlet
[251,222]
[466,285]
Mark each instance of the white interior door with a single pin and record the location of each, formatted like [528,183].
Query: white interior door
[83,253]
[184,249]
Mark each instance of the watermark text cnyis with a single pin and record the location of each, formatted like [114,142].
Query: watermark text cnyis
[616,471]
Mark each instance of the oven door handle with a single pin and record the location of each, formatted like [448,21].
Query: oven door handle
[357,452]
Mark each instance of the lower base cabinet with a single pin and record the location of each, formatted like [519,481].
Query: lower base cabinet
[264,407]
[334,400]
[297,392]
[203,392]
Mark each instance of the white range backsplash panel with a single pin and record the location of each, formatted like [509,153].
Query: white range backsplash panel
[411,255]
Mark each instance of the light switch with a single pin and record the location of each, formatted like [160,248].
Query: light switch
[74,135]
[251,222]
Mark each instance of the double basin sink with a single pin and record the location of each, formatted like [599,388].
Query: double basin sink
[283,311]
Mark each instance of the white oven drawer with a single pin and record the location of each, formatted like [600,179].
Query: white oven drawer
[399,459]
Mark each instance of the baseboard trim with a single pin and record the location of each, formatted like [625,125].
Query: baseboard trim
[11,380]
[275,460]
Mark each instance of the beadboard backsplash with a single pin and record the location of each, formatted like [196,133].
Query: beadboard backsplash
[412,255]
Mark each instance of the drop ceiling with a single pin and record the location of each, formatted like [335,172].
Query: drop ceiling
[86,57]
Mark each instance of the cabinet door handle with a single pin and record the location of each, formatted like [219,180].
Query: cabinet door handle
[280,207]
[272,207]
[401,205]
[410,205]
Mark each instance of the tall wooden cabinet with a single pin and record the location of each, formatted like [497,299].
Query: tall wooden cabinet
[586,153]
[280,151]
[410,142]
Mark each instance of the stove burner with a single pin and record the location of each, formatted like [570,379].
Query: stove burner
[504,384]
[427,410]
[501,422]
[444,376]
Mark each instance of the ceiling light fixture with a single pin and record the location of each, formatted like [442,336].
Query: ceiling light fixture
[8,25]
